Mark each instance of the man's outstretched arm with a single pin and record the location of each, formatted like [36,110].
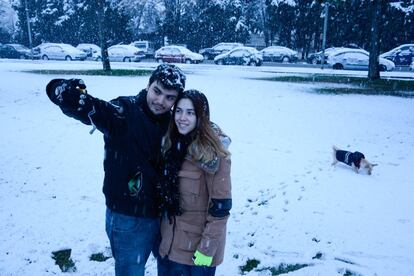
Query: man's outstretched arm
[71,96]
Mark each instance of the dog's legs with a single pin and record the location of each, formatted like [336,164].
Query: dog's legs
[355,168]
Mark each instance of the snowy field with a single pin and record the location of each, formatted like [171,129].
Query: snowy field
[290,206]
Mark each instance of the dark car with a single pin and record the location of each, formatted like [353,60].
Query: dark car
[240,56]
[279,54]
[14,51]
[401,55]
[316,58]
[211,53]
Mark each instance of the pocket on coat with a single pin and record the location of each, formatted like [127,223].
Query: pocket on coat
[188,236]
[189,182]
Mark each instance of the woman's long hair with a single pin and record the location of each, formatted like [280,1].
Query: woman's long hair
[206,144]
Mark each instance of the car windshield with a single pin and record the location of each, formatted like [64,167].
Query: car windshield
[184,50]
[68,47]
[140,45]
[19,47]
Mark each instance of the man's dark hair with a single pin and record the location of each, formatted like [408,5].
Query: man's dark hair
[170,76]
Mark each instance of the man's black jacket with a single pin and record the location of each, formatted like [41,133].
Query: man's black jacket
[132,135]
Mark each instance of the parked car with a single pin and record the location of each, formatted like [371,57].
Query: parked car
[179,54]
[412,66]
[279,54]
[240,56]
[146,46]
[125,53]
[316,58]
[401,55]
[211,53]
[92,51]
[58,51]
[355,59]
[15,51]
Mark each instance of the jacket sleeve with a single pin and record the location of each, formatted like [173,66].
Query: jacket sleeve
[105,116]
[219,210]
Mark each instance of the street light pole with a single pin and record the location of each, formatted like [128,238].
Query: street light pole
[28,28]
[325,28]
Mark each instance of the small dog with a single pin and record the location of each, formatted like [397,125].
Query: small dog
[354,159]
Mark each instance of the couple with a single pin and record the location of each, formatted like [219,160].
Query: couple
[159,163]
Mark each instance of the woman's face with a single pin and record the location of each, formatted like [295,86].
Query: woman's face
[185,117]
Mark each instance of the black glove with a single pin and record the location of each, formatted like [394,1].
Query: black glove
[67,91]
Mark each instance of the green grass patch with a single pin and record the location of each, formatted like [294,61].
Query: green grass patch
[113,72]
[98,257]
[63,260]
[284,268]
[250,265]
[354,85]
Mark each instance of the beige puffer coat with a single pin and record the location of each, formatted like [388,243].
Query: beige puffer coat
[196,228]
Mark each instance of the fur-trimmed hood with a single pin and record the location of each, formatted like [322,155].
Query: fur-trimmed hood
[213,165]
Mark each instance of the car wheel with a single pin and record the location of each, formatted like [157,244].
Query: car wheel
[127,59]
[45,57]
[98,59]
[314,61]
[252,63]
[22,57]
[338,66]
[159,60]
[382,68]
[205,56]
[220,62]
[68,58]
[188,61]
[285,60]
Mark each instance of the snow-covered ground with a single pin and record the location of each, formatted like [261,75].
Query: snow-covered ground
[289,203]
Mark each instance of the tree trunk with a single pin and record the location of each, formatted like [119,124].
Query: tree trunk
[373,70]
[102,37]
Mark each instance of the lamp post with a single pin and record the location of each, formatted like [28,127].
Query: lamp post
[29,32]
[325,28]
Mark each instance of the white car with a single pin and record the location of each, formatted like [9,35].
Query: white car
[92,51]
[179,54]
[355,59]
[125,53]
[58,51]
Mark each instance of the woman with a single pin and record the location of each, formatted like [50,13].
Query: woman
[195,192]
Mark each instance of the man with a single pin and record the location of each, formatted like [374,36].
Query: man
[133,127]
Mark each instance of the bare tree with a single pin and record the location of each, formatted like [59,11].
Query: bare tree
[374,69]
[101,6]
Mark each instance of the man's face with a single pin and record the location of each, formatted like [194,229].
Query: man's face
[160,99]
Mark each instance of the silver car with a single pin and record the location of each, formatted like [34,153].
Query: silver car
[93,52]
[355,59]
[125,53]
[58,51]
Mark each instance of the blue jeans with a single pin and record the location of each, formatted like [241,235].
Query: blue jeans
[132,239]
[170,268]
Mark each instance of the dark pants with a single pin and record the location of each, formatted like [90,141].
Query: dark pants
[132,240]
[170,268]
